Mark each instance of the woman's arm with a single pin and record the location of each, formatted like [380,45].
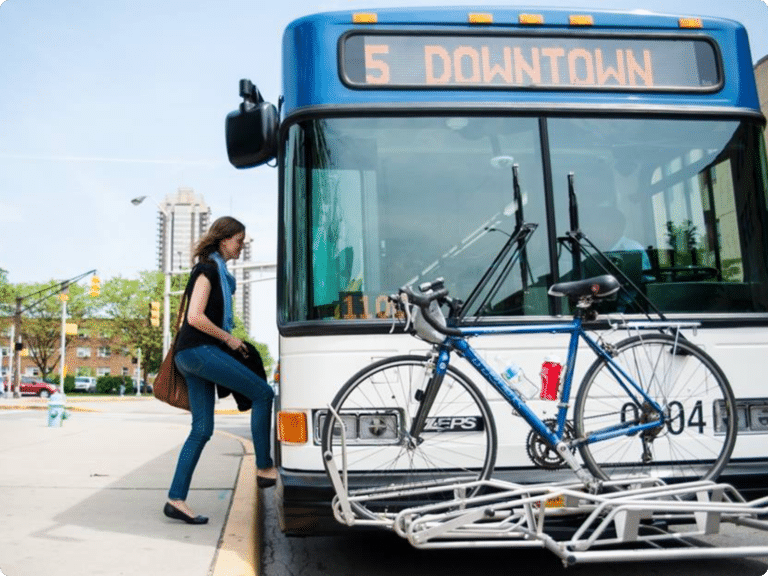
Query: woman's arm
[196,317]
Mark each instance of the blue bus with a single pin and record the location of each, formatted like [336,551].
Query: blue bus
[410,142]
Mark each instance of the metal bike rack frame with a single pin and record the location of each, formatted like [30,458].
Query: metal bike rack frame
[650,519]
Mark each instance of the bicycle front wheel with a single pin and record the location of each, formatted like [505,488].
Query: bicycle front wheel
[378,405]
[695,438]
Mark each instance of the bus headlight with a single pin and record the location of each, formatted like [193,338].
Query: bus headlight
[377,427]
[364,427]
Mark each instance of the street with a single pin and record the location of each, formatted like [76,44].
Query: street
[107,482]
[383,553]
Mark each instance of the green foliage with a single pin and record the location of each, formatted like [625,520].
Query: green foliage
[124,302]
[69,384]
[6,292]
[111,385]
[41,324]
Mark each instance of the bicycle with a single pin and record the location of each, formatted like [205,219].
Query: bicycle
[652,404]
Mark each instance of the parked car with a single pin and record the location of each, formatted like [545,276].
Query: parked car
[85,383]
[31,386]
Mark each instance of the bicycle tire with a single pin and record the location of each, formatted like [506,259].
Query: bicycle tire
[459,440]
[697,438]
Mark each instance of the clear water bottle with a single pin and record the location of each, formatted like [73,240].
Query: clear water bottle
[513,375]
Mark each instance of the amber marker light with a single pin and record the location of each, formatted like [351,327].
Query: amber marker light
[690,23]
[365,18]
[581,20]
[480,18]
[292,427]
[531,19]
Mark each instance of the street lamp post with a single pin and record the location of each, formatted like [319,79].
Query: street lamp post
[166,272]
[63,358]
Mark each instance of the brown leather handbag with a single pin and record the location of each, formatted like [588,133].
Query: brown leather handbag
[170,385]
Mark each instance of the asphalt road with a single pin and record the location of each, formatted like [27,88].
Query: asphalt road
[381,553]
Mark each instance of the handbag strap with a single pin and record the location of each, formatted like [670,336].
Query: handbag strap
[182,306]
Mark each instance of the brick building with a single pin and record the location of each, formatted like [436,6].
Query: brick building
[95,351]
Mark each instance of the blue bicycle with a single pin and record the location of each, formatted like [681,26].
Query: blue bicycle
[652,404]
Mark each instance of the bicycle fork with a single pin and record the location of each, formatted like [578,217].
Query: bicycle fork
[436,368]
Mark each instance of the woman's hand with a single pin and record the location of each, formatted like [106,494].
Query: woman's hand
[235,343]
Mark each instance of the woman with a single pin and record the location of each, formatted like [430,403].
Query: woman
[206,354]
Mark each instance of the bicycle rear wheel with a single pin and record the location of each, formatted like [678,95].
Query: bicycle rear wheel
[697,436]
[378,405]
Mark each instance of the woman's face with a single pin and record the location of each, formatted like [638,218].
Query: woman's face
[230,248]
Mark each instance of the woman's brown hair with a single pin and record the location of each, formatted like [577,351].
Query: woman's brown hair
[223,228]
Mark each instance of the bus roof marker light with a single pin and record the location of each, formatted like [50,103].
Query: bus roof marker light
[480,18]
[365,18]
[531,19]
[292,427]
[690,23]
[581,20]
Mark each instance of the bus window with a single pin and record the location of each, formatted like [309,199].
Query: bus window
[405,200]
[661,201]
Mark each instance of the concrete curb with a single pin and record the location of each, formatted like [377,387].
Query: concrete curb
[236,554]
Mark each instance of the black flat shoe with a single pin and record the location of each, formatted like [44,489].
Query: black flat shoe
[264,482]
[172,512]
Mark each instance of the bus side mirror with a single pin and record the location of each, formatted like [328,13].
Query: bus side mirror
[251,131]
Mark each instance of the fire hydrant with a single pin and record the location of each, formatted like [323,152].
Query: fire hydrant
[56,410]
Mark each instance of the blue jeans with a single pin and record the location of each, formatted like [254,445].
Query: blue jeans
[204,367]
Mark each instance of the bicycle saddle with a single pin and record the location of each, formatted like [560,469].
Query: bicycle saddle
[596,287]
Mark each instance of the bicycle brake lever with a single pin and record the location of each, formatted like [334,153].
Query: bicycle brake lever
[400,302]
[407,308]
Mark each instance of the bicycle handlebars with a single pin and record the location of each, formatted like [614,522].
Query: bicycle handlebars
[434,294]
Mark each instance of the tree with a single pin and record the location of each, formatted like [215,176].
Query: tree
[6,301]
[126,303]
[41,323]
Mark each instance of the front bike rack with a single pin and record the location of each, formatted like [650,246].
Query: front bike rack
[649,519]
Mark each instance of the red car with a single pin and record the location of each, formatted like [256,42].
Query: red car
[33,387]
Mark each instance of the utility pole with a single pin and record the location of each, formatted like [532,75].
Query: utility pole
[62,359]
[16,380]
[166,270]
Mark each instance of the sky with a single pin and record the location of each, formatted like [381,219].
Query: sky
[101,102]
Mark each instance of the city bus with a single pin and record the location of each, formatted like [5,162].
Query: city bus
[409,145]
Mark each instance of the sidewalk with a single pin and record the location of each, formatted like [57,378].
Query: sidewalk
[85,499]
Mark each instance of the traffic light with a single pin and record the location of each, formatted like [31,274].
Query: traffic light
[95,286]
[154,313]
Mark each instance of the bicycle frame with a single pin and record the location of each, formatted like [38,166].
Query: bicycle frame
[577,332]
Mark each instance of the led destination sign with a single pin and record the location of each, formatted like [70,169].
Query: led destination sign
[513,62]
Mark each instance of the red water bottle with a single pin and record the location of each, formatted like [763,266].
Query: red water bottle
[550,377]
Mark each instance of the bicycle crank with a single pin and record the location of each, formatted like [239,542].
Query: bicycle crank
[541,453]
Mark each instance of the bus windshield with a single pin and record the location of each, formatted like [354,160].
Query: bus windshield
[373,203]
